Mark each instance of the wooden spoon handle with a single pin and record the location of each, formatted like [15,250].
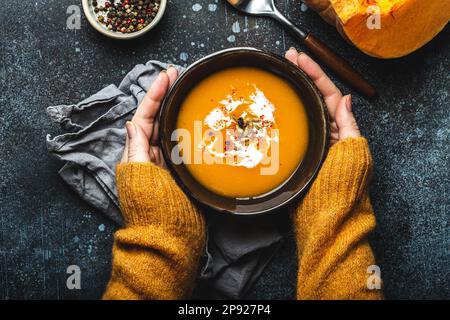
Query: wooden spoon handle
[339,66]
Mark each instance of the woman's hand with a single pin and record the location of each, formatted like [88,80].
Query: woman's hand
[142,144]
[343,123]
[333,220]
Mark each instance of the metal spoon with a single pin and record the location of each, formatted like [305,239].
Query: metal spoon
[320,50]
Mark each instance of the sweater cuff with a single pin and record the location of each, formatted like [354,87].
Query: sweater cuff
[149,196]
[344,176]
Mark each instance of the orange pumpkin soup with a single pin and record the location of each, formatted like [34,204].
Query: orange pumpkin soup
[248,132]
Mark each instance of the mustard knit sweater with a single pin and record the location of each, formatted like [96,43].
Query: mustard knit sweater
[156,255]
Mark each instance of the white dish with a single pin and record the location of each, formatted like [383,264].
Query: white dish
[92,18]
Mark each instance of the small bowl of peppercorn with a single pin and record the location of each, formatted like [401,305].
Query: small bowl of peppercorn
[124,19]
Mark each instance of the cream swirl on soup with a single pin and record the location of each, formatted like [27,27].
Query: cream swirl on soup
[247,126]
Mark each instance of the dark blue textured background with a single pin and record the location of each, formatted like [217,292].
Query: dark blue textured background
[44,227]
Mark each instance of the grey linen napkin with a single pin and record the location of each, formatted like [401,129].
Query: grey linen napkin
[91,145]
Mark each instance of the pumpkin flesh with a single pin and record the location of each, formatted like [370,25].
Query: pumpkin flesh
[404,25]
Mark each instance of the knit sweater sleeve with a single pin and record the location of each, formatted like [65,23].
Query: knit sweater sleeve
[156,255]
[332,226]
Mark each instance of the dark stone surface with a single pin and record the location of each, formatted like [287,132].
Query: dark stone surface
[45,227]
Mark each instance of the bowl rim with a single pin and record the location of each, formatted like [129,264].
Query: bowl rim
[117,35]
[197,198]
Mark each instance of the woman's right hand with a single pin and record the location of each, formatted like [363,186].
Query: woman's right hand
[333,220]
[343,124]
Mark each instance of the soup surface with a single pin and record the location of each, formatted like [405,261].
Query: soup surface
[243,132]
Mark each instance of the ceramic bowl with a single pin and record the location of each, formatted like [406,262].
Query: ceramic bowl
[317,113]
[92,18]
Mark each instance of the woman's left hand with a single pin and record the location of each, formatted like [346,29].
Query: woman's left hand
[142,144]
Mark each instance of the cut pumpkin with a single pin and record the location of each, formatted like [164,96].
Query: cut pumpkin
[385,28]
